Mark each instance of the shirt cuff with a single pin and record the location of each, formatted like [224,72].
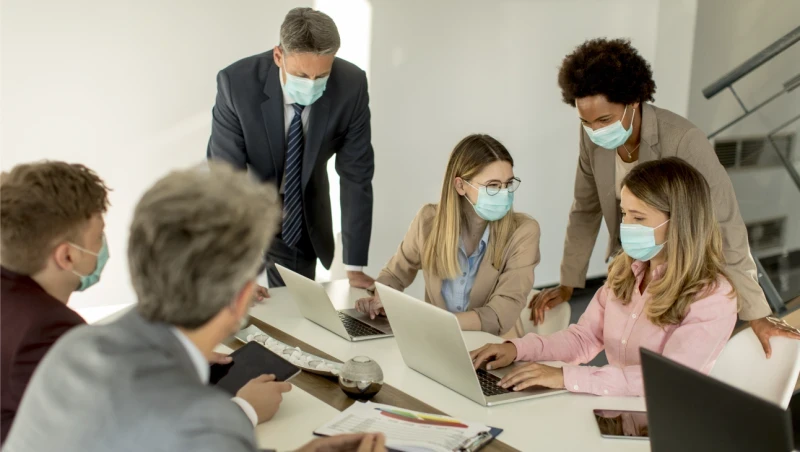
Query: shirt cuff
[247,408]
[354,268]
[576,379]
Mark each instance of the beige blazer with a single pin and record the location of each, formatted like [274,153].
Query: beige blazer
[498,294]
[663,134]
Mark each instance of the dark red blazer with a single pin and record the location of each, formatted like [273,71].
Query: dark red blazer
[30,323]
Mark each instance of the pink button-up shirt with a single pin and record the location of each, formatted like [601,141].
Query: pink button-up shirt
[621,329]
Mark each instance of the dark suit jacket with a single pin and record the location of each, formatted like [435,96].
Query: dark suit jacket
[248,131]
[30,323]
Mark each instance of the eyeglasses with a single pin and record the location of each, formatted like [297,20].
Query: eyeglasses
[495,187]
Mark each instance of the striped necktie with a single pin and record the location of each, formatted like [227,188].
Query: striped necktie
[292,192]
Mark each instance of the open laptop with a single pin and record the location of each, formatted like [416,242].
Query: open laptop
[431,343]
[689,411]
[315,305]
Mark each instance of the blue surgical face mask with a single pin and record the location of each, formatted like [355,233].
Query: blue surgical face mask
[639,241]
[92,278]
[304,91]
[492,207]
[613,135]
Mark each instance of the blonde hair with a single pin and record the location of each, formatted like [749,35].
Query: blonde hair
[694,243]
[470,156]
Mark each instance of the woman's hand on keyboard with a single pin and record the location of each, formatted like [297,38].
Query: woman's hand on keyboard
[533,374]
[370,305]
[495,355]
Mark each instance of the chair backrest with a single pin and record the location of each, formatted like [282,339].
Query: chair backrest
[744,365]
[556,319]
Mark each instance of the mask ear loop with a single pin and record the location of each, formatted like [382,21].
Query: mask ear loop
[662,224]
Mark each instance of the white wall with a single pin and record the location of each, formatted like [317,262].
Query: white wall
[445,69]
[125,87]
[728,33]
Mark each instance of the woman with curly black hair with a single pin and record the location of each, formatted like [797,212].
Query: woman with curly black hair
[611,85]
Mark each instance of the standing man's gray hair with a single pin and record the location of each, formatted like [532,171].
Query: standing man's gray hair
[305,30]
[197,238]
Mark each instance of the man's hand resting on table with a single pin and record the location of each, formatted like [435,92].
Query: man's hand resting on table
[360,280]
[265,395]
[260,294]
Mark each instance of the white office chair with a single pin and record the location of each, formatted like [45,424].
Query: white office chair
[555,319]
[744,365]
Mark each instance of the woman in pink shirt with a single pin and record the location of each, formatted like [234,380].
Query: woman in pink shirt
[666,292]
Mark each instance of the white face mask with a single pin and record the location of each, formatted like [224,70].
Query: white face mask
[304,91]
[613,135]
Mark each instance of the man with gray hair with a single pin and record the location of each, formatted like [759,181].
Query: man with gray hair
[141,383]
[283,114]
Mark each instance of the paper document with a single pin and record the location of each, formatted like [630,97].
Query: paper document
[409,431]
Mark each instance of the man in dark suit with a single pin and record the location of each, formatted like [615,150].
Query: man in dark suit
[283,114]
[52,244]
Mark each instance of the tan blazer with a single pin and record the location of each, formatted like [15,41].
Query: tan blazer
[663,134]
[498,294]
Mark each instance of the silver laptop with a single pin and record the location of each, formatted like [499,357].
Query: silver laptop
[431,343]
[315,305]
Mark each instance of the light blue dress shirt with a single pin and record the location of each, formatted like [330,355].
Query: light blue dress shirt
[456,291]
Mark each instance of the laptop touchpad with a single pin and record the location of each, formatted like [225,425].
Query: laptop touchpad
[380,322]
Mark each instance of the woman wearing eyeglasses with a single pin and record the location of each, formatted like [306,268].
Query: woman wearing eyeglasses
[477,255]
[610,85]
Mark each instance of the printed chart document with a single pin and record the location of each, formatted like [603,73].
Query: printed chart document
[410,431]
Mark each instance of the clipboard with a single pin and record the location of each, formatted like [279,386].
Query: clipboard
[480,441]
[411,430]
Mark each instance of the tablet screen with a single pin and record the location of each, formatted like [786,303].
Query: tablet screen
[622,424]
[250,361]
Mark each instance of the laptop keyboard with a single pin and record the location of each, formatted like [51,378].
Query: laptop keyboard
[489,384]
[356,328]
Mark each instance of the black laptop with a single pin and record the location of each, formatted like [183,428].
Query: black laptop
[688,411]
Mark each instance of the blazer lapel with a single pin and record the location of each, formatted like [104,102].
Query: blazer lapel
[648,144]
[317,124]
[485,280]
[272,110]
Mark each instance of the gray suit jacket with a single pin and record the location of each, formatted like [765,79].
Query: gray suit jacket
[124,387]
[247,130]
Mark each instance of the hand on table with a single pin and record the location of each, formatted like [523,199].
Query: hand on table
[265,395]
[768,327]
[370,305]
[360,280]
[260,294]
[534,374]
[546,300]
[360,442]
[496,355]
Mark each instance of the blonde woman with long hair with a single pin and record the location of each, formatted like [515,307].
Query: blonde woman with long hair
[667,291]
[476,254]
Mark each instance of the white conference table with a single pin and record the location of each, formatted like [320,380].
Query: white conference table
[563,422]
